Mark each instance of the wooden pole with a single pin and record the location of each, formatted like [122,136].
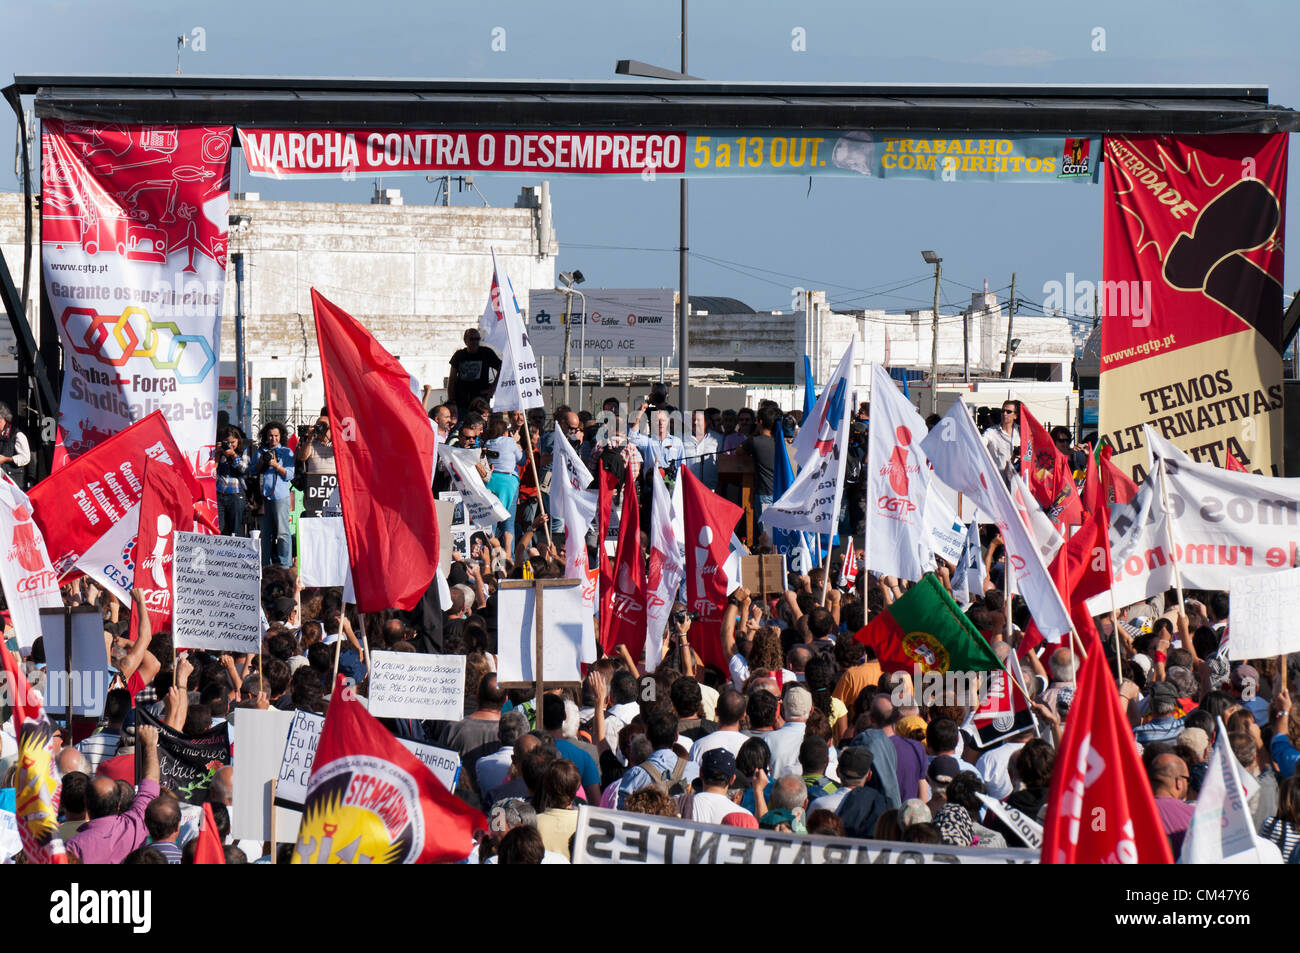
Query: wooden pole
[274,781]
[67,667]
[537,480]
[540,686]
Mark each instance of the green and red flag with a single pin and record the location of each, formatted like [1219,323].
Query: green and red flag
[926,627]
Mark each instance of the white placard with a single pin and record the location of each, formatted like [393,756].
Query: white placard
[85,682]
[1264,610]
[323,551]
[414,685]
[217,593]
[562,609]
[259,737]
[300,753]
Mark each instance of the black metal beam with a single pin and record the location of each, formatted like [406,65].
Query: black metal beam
[688,104]
[29,358]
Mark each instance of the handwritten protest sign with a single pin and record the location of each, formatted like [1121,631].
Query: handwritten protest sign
[300,754]
[217,583]
[1264,610]
[413,685]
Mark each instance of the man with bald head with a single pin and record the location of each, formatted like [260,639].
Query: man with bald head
[109,836]
[1169,777]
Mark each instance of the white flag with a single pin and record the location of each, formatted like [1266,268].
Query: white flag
[812,502]
[968,579]
[30,582]
[961,461]
[501,299]
[567,471]
[1035,518]
[482,508]
[1222,830]
[664,570]
[519,386]
[898,484]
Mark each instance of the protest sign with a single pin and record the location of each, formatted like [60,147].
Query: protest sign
[259,738]
[77,681]
[444,510]
[482,508]
[1026,828]
[323,552]
[186,763]
[321,496]
[413,685]
[563,645]
[300,754]
[616,837]
[461,529]
[218,592]
[1264,609]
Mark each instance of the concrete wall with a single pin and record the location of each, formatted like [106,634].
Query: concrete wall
[415,276]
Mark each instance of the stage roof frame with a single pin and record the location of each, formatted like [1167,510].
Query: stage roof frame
[320,102]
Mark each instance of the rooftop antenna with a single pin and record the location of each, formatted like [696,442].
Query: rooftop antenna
[182,41]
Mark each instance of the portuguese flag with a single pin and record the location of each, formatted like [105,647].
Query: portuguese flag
[926,627]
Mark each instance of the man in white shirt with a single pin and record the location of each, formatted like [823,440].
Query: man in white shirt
[659,448]
[785,741]
[712,805]
[1003,441]
[623,694]
[493,769]
[728,737]
[702,448]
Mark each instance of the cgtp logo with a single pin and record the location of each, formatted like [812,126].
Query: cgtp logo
[114,339]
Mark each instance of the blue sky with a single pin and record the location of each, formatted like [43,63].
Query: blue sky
[853,238]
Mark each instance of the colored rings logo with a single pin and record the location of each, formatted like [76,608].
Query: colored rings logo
[135,334]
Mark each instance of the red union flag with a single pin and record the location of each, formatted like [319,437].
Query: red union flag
[1047,473]
[622,610]
[370,801]
[1100,810]
[134,225]
[89,510]
[1191,333]
[708,522]
[165,508]
[30,582]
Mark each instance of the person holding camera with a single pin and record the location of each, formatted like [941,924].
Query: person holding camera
[660,447]
[275,466]
[315,453]
[232,468]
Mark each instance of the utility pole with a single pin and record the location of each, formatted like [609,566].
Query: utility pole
[930,258]
[1011,314]
[683,305]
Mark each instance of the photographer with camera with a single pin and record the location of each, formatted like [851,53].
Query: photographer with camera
[232,468]
[315,453]
[275,466]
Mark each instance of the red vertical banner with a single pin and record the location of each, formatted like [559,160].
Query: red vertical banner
[134,226]
[707,521]
[1192,297]
[166,507]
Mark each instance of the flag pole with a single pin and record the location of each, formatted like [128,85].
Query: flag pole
[273,851]
[1169,535]
[537,481]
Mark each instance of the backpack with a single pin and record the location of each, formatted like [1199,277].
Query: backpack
[672,785]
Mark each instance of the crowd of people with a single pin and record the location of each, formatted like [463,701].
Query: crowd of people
[803,731]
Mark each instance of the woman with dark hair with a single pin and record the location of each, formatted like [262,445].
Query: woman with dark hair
[752,761]
[275,471]
[504,455]
[820,677]
[1283,828]
[557,818]
[1031,773]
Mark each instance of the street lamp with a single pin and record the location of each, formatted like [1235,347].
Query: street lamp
[571,279]
[636,68]
[930,258]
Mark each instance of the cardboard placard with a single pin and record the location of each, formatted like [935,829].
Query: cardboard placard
[259,738]
[563,648]
[1264,609]
[217,593]
[82,681]
[414,685]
